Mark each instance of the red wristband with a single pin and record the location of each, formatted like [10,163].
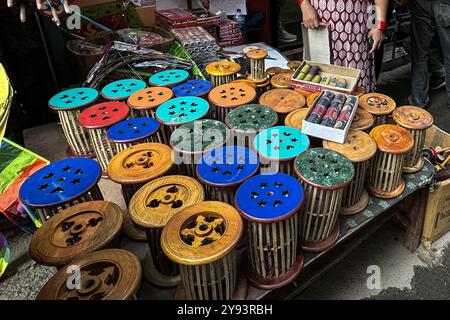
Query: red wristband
[299,2]
[382,25]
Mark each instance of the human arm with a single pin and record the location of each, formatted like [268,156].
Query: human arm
[378,32]
[309,14]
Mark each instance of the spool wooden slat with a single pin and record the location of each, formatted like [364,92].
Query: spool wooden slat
[191,140]
[61,185]
[227,97]
[416,121]
[385,174]
[69,104]
[110,274]
[151,208]
[222,72]
[76,231]
[96,120]
[359,148]
[270,204]
[283,101]
[379,105]
[202,239]
[323,174]
[278,146]
[247,121]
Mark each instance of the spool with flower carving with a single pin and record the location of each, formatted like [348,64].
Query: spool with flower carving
[283,101]
[362,121]
[359,148]
[223,169]
[257,65]
[151,208]
[110,274]
[248,120]
[143,103]
[278,146]
[193,88]
[60,185]
[385,174]
[133,131]
[190,141]
[169,78]
[271,205]
[75,232]
[96,120]
[226,97]
[202,239]
[69,104]
[416,121]
[134,167]
[323,174]
[379,105]
[178,111]
[222,72]
[120,90]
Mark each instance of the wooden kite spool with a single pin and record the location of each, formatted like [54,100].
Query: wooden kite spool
[193,88]
[379,105]
[60,185]
[202,239]
[110,274]
[278,146]
[385,174]
[257,65]
[96,120]
[222,72]
[359,148]
[69,104]
[362,121]
[151,208]
[75,232]
[271,204]
[227,97]
[134,167]
[169,78]
[178,111]
[416,121]
[247,121]
[282,80]
[223,169]
[190,141]
[283,101]
[130,132]
[143,103]
[122,89]
[323,174]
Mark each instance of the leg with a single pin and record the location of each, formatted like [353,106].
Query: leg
[437,69]
[422,31]
[442,15]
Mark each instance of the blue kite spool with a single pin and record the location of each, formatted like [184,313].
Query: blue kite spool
[60,185]
[192,88]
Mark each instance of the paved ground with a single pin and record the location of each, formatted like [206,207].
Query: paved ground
[404,275]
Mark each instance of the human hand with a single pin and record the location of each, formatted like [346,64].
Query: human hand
[310,17]
[377,37]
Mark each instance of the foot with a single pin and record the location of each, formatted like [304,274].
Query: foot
[284,36]
[437,83]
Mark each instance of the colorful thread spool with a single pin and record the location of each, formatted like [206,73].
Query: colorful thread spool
[385,174]
[227,97]
[248,120]
[134,167]
[223,169]
[110,274]
[222,72]
[416,121]
[283,101]
[278,146]
[75,232]
[122,89]
[323,174]
[60,185]
[202,239]
[359,148]
[190,141]
[69,104]
[271,205]
[168,78]
[151,208]
[96,120]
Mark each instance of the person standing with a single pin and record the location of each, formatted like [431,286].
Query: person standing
[351,27]
[428,18]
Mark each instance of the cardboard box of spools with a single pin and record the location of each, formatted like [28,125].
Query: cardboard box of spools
[437,216]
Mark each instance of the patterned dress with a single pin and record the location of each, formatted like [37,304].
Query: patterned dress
[349,34]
